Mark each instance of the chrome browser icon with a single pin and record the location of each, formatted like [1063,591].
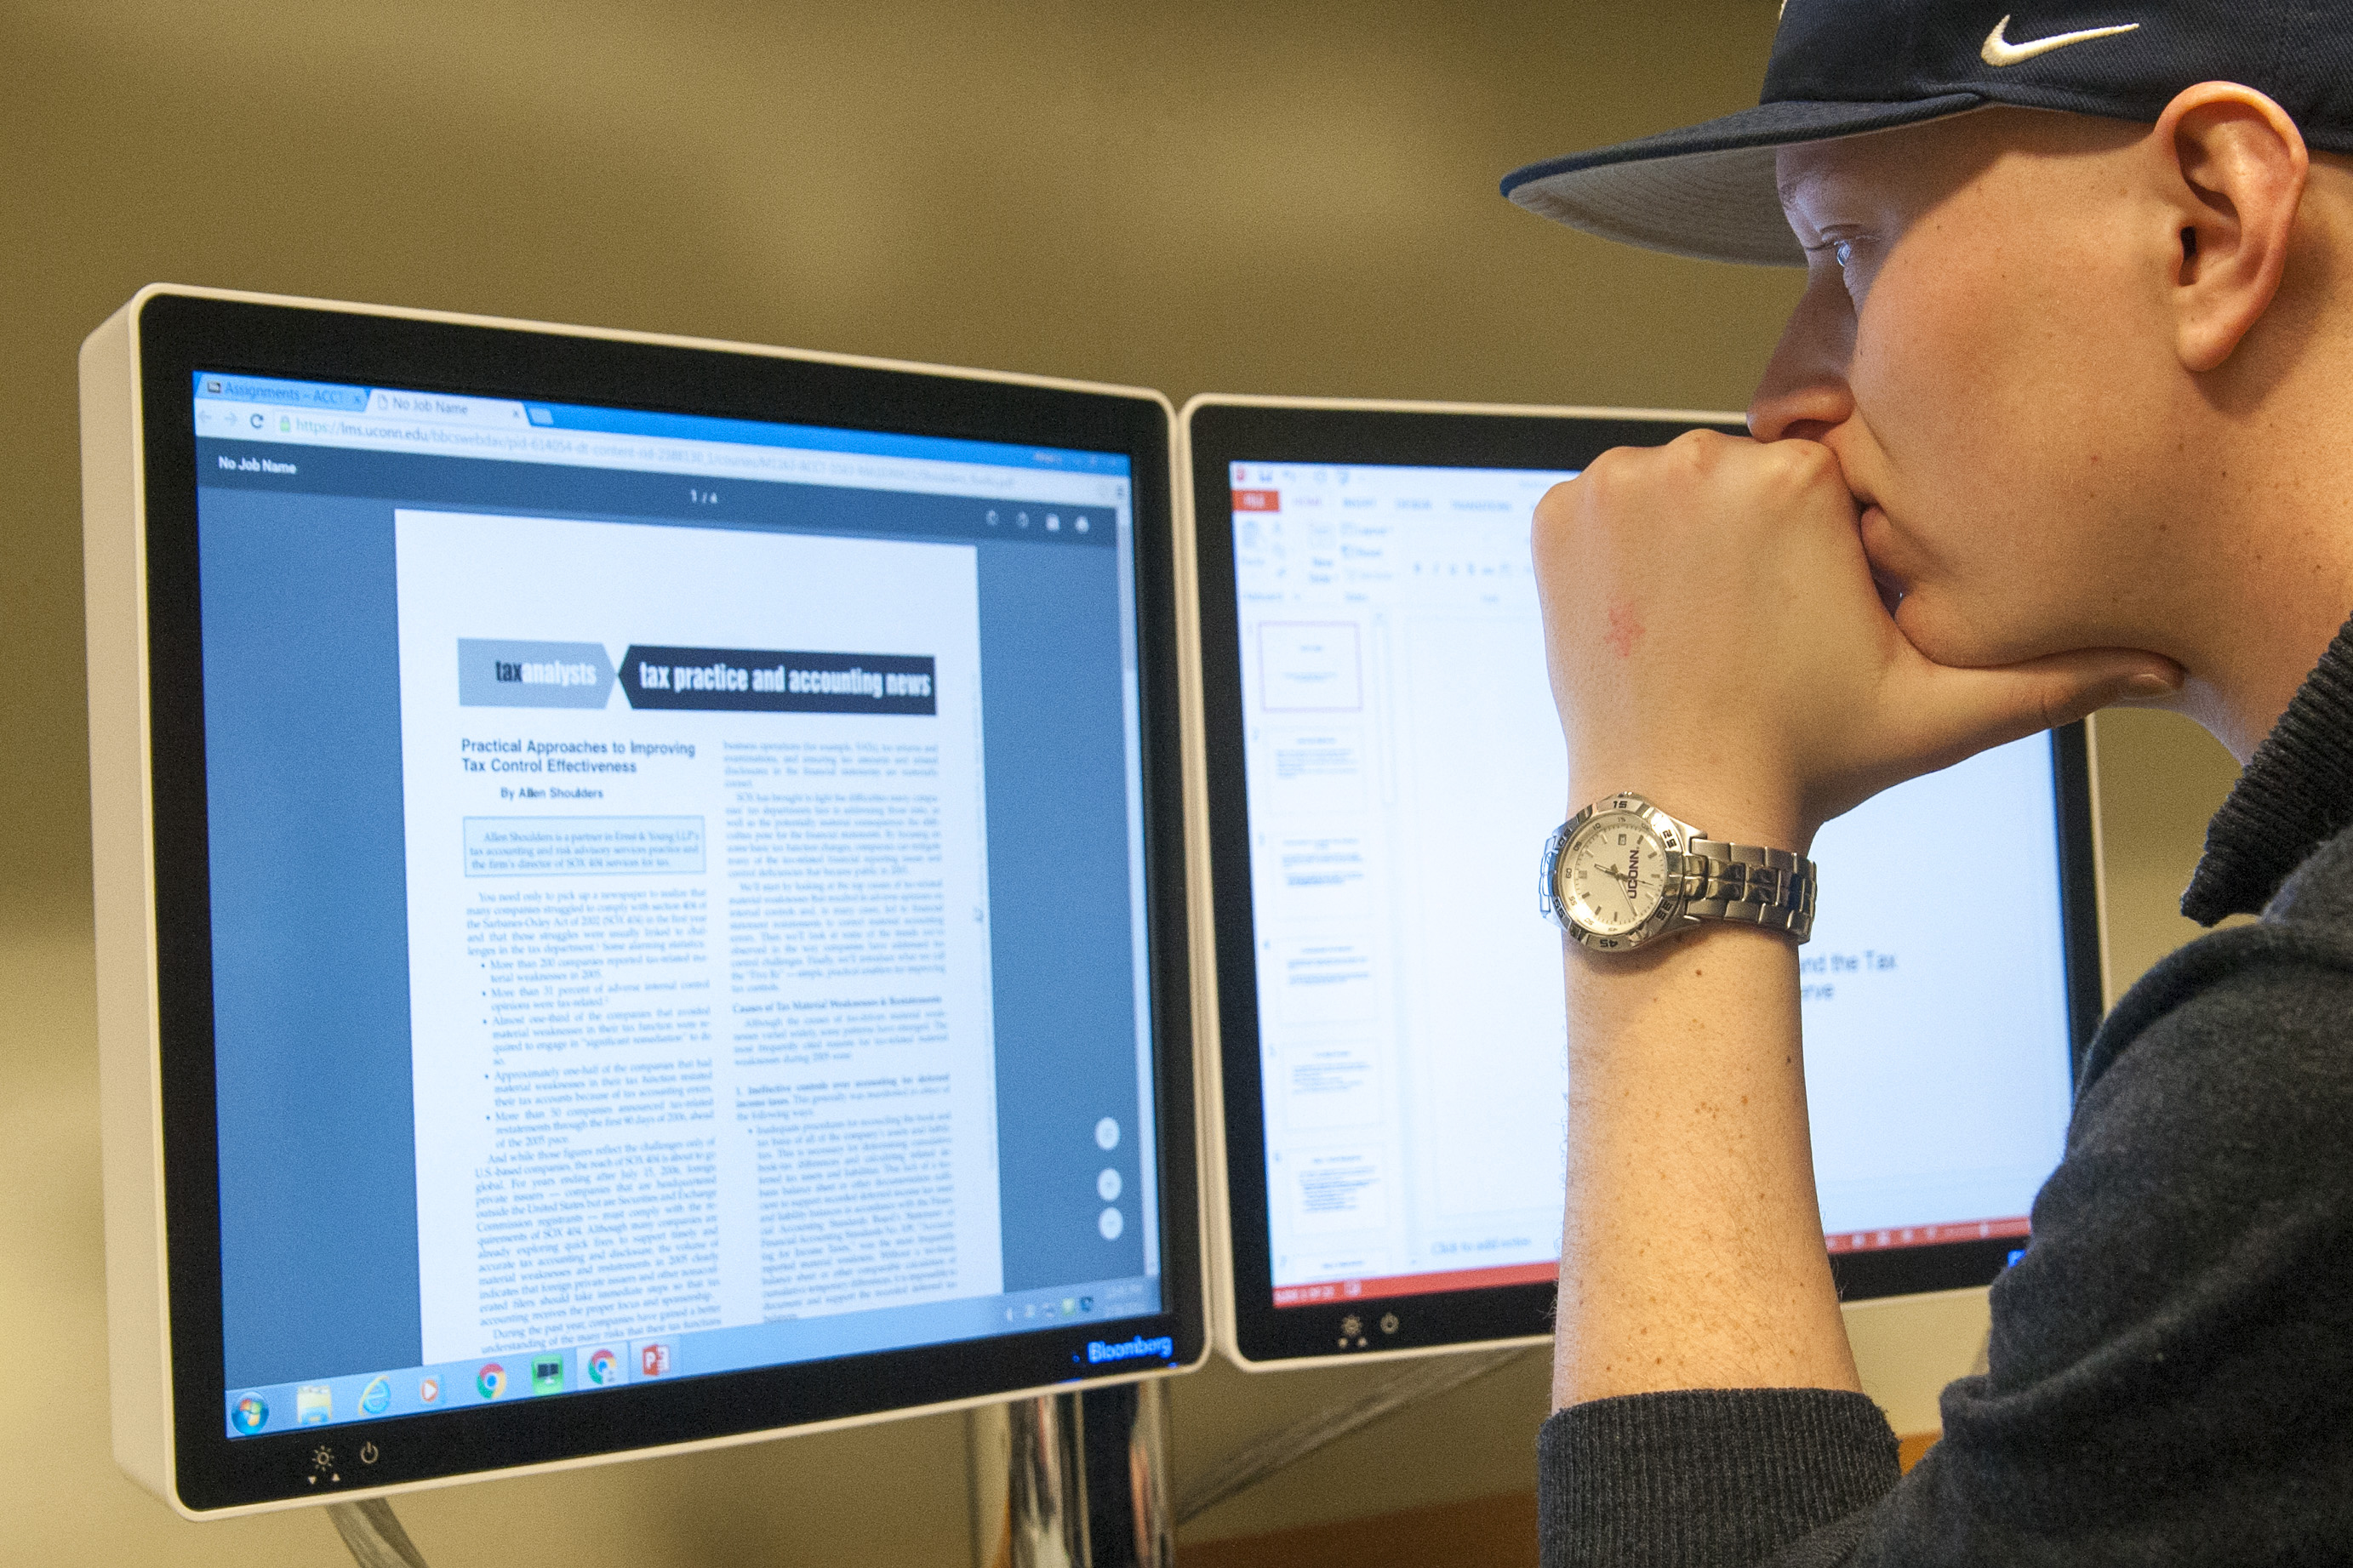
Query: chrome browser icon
[492,1381]
[604,1368]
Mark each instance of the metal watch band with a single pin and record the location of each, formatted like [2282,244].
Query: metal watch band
[1749,885]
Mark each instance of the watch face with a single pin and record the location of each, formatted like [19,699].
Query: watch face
[1613,874]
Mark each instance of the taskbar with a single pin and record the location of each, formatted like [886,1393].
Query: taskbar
[1320,1292]
[1885,1238]
[592,1365]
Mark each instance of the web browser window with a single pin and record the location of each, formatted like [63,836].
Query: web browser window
[709,805]
[1403,766]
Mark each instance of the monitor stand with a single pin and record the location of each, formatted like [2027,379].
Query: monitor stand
[1074,1481]
[1063,1480]
[373,1535]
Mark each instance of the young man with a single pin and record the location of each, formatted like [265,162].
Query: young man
[2063,418]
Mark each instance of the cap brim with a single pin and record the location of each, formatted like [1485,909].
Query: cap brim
[1706,191]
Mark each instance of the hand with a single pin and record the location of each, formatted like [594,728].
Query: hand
[1716,641]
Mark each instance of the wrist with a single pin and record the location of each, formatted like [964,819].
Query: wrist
[1725,802]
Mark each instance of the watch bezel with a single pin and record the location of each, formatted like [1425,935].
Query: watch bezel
[1558,901]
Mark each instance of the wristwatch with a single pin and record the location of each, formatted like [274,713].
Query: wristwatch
[1622,874]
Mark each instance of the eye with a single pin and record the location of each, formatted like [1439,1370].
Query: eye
[1842,252]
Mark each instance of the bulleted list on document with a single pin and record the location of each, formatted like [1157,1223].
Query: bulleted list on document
[698,928]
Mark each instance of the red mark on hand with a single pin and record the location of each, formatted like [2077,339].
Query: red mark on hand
[1624,631]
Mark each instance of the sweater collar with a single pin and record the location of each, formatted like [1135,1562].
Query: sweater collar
[2296,794]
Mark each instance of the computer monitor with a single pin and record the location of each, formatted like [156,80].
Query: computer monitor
[1385,763]
[639,893]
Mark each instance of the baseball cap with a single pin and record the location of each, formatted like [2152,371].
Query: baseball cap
[1847,67]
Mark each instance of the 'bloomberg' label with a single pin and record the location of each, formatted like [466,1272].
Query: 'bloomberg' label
[1164,1347]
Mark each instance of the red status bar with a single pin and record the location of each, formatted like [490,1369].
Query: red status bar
[1413,1284]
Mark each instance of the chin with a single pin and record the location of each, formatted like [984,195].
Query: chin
[1957,639]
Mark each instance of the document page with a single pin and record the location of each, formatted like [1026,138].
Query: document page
[698,925]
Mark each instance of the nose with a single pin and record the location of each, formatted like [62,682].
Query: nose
[1804,392]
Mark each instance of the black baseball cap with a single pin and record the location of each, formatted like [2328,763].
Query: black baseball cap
[1845,67]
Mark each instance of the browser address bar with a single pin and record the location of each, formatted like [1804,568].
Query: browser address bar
[713,459]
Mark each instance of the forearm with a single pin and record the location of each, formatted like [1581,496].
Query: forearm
[1691,1249]
[1756,698]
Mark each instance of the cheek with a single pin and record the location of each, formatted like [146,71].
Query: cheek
[1938,383]
[1994,406]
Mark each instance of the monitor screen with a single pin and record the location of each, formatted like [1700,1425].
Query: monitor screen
[1400,765]
[677,899]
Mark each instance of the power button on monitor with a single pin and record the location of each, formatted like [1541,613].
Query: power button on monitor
[368,1455]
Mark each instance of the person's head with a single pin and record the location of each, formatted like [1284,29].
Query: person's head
[2089,376]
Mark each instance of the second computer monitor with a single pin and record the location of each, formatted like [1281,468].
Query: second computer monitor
[1385,762]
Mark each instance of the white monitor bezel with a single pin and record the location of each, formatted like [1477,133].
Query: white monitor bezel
[118,394]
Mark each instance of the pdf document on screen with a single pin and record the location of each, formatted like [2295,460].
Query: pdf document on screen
[698,926]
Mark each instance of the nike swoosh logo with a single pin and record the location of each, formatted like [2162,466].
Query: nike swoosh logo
[2001,51]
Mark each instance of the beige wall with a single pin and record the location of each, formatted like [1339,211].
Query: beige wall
[1271,196]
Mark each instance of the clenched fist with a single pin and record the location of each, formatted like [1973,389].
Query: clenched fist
[1717,642]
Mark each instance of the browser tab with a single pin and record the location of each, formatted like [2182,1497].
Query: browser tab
[271,389]
[443,408]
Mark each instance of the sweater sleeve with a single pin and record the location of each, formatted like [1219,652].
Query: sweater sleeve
[2171,1364]
[1706,1476]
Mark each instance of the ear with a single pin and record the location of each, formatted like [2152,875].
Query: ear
[2237,165]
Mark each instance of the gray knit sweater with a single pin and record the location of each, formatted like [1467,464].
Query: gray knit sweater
[2171,1366]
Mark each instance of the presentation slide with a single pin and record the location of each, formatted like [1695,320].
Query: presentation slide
[1404,766]
[699,927]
